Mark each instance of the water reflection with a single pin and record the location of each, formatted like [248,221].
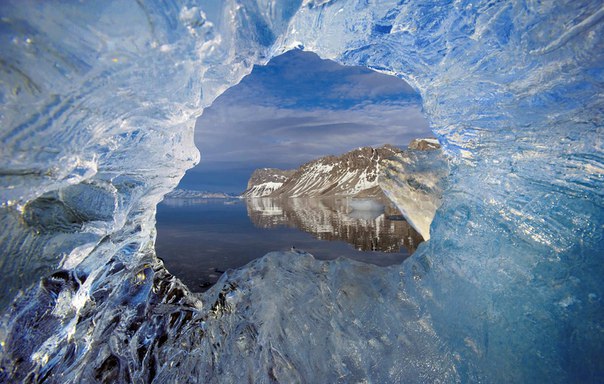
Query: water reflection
[369,225]
[198,239]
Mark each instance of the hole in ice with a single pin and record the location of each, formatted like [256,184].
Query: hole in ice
[293,111]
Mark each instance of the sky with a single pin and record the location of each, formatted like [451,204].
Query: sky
[295,109]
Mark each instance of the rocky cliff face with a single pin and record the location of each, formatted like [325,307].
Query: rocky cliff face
[424,144]
[265,181]
[353,174]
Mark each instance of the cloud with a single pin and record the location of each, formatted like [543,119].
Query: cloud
[300,107]
[260,134]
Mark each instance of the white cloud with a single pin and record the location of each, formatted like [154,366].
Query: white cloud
[298,108]
[254,133]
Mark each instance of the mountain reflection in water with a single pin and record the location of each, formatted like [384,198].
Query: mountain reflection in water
[366,224]
[198,239]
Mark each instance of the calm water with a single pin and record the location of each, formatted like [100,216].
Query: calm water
[199,239]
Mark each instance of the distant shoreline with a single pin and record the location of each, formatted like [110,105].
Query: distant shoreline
[191,194]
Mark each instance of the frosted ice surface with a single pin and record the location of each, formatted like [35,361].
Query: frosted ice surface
[335,321]
[98,101]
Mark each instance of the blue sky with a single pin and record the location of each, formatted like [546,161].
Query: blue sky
[295,109]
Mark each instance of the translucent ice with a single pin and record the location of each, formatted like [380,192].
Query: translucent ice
[414,180]
[98,101]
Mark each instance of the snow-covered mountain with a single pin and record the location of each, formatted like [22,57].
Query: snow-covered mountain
[265,181]
[411,179]
[354,173]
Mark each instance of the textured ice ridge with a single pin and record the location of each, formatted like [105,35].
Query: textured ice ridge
[98,102]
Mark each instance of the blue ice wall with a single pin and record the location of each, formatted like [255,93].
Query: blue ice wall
[98,106]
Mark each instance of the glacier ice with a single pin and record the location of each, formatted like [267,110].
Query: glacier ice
[98,102]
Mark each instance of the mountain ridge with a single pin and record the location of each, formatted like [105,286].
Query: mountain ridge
[352,174]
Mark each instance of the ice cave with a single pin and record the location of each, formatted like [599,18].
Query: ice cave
[99,101]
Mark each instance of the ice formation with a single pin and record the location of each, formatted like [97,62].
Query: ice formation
[98,107]
[414,180]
